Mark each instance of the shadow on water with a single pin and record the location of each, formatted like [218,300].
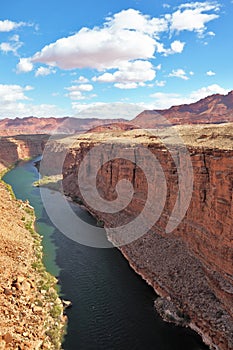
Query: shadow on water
[112,306]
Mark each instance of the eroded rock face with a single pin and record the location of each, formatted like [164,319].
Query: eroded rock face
[216,108]
[192,266]
[20,147]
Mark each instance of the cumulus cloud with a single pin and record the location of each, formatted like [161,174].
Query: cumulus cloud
[99,48]
[208,90]
[166,100]
[81,79]
[9,93]
[129,74]
[193,16]
[44,71]
[76,91]
[210,73]
[178,73]
[122,47]
[25,65]
[126,36]
[7,25]
[126,86]
[20,109]
[15,103]
[176,47]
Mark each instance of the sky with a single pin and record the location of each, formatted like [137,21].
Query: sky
[111,59]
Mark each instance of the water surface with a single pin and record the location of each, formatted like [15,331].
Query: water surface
[112,306]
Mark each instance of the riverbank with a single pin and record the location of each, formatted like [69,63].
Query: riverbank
[32,313]
[190,267]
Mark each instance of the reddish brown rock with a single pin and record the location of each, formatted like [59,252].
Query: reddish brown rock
[212,109]
[33,125]
[192,266]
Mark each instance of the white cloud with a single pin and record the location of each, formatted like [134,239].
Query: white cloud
[176,47]
[7,25]
[12,46]
[20,109]
[122,47]
[210,73]
[85,87]
[81,87]
[44,71]
[25,65]
[76,95]
[209,90]
[126,36]
[126,86]
[179,73]
[81,79]
[119,40]
[75,91]
[14,103]
[129,74]
[134,20]
[160,83]
[9,93]
[193,16]
[166,100]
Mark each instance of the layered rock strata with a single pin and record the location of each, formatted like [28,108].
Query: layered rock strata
[15,148]
[190,268]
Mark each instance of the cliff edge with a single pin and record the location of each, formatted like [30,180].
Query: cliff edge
[191,267]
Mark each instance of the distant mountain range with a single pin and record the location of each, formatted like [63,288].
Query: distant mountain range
[212,109]
[33,125]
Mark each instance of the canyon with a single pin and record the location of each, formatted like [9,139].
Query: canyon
[216,108]
[14,148]
[190,267]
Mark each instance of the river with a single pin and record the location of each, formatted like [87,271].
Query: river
[112,306]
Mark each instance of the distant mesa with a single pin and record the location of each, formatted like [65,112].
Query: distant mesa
[214,109]
[67,125]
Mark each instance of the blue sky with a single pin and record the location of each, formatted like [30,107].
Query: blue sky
[111,59]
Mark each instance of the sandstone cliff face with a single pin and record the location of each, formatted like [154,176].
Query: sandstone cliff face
[192,266]
[20,147]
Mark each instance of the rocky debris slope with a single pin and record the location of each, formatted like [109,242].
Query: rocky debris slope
[190,268]
[31,312]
